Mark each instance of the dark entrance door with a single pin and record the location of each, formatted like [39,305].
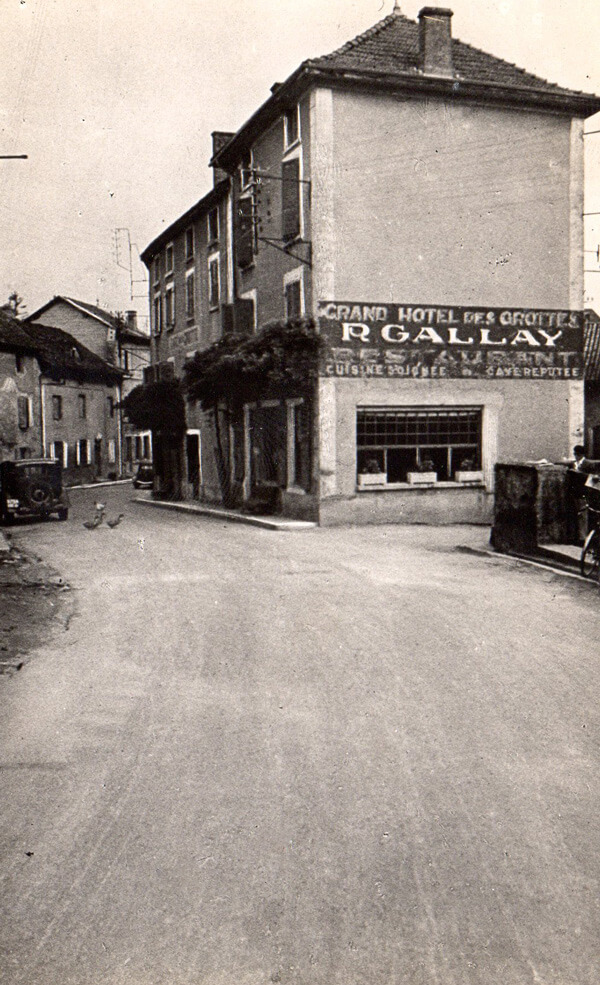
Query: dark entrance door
[98,455]
[192,450]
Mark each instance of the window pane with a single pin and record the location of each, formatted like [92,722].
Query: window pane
[290,199]
[438,440]
[293,299]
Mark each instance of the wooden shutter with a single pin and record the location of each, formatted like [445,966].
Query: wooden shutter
[290,199]
[226,319]
[23,412]
[244,316]
[245,232]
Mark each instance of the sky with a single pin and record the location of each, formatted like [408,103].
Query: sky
[114,103]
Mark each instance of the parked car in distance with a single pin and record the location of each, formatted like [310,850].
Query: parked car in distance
[144,477]
[32,488]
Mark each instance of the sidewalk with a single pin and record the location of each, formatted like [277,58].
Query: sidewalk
[561,557]
[266,522]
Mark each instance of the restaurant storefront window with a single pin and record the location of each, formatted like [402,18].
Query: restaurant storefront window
[398,441]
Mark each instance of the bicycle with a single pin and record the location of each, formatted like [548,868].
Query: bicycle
[590,552]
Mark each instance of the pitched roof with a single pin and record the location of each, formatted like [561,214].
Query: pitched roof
[12,336]
[88,309]
[63,357]
[392,46]
[197,210]
[124,331]
[387,56]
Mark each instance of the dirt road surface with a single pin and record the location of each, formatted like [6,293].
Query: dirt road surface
[329,757]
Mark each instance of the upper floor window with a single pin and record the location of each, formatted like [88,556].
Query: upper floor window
[57,408]
[189,296]
[291,127]
[189,243]
[170,306]
[246,169]
[214,285]
[290,199]
[245,239]
[169,259]
[24,413]
[82,405]
[157,315]
[156,269]
[19,363]
[293,295]
[110,406]
[212,224]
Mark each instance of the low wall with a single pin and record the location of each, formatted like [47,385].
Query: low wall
[434,506]
[532,506]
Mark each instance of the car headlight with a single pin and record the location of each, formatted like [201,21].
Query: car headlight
[12,504]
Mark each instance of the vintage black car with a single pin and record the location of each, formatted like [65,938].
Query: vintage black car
[32,488]
[144,477]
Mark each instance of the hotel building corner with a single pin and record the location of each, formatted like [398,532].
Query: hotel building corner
[421,202]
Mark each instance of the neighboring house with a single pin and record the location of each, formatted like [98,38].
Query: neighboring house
[20,417]
[117,340]
[190,266]
[422,201]
[78,395]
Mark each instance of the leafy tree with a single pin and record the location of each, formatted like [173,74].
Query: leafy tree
[157,407]
[15,305]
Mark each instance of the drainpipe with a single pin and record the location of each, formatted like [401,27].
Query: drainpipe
[43,416]
[118,392]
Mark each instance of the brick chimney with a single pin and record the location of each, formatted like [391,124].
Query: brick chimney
[219,139]
[131,320]
[435,41]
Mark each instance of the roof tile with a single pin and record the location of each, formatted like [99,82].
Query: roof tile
[392,46]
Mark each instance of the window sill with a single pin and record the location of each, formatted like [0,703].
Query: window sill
[292,146]
[214,307]
[410,487]
[213,244]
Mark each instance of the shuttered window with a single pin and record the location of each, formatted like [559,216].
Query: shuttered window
[293,299]
[23,412]
[290,199]
[245,232]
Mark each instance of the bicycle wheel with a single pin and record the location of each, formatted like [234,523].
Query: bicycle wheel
[589,555]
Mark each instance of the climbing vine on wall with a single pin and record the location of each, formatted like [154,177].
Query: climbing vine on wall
[157,407]
[283,355]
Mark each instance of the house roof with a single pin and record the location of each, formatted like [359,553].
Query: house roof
[61,356]
[387,56]
[12,336]
[124,331]
[200,208]
[392,46]
[92,310]
[591,345]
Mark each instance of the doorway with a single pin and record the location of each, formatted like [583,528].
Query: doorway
[192,455]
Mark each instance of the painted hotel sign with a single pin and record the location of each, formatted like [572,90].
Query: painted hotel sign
[409,340]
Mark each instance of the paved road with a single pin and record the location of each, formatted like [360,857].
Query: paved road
[334,757]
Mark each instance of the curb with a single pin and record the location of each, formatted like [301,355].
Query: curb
[538,562]
[98,485]
[252,521]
